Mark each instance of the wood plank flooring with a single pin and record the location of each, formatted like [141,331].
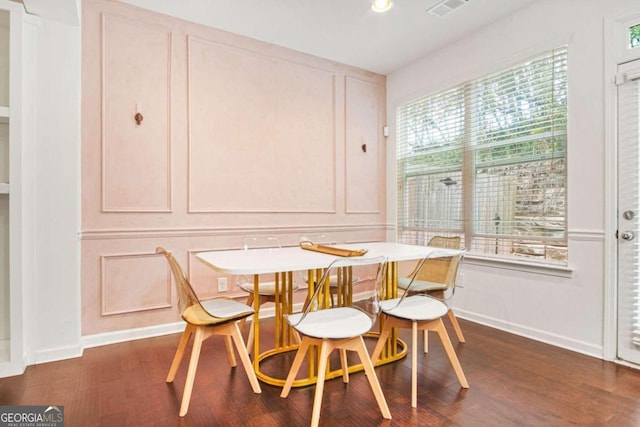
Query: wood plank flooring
[513,382]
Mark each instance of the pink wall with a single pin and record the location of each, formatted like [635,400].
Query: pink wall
[239,137]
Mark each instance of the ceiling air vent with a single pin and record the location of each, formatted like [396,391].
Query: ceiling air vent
[444,7]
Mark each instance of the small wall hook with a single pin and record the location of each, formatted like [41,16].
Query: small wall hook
[138,118]
[364,148]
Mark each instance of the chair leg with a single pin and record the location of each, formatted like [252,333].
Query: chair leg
[456,325]
[296,336]
[344,365]
[426,341]
[295,367]
[414,364]
[250,338]
[236,336]
[322,369]
[230,354]
[191,372]
[182,345]
[373,378]
[453,358]
[249,302]
[382,339]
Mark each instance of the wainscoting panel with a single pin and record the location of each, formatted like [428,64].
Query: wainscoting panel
[258,124]
[363,150]
[235,137]
[134,282]
[136,83]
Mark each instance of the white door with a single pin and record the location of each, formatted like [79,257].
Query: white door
[628,212]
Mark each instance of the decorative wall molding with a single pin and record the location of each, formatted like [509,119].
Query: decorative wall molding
[363,146]
[278,113]
[135,279]
[133,142]
[587,235]
[254,138]
[137,233]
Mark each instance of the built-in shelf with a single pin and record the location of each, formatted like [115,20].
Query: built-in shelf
[4,114]
[4,188]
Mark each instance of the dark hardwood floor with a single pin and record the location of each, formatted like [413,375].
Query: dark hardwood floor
[513,382]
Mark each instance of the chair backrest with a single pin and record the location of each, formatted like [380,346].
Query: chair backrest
[445,242]
[257,242]
[319,239]
[365,295]
[186,295]
[438,270]
[260,242]
[453,264]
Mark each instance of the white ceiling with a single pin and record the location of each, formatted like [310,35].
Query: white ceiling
[347,31]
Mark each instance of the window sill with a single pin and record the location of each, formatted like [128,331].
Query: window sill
[519,265]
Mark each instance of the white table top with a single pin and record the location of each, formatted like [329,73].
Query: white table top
[261,261]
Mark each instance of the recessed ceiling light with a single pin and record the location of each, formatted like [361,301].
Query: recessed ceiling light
[381,5]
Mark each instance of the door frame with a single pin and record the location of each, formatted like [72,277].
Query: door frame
[615,54]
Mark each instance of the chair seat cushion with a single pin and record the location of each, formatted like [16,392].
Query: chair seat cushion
[416,307]
[420,285]
[264,288]
[226,307]
[332,323]
[216,311]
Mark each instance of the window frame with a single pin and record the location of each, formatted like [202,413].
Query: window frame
[469,229]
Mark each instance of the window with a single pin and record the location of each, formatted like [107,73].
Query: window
[486,160]
[634,36]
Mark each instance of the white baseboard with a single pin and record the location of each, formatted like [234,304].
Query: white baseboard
[10,369]
[534,334]
[106,338]
[56,354]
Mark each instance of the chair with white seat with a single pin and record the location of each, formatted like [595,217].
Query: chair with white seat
[218,316]
[436,279]
[266,286]
[419,311]
[341,328]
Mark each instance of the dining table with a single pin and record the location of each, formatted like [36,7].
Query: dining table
[284,264]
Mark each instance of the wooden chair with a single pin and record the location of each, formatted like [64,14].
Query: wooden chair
[436,278]
[214,317]
[418,311]
[339,328]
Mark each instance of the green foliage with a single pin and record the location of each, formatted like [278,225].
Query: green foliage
[634,36]
[518,113]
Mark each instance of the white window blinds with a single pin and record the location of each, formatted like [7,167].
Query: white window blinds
[486,161]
